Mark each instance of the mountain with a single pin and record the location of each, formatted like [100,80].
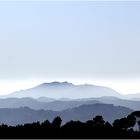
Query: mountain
[59,105]
[135,96]
[22,102]
[83,113]
[42,103]
[132,104]
[62,104]
[86,112]
[135,105]
[64,90]
[45,99]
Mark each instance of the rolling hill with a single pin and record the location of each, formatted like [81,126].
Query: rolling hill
[83,113]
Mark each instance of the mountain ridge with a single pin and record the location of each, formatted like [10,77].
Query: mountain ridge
[83,113]
[64,90]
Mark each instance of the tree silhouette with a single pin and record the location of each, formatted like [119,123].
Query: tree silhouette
[98,121]
[57,122]
[131,121]
[96,128]
[138,122]
[46,123]
[125,123]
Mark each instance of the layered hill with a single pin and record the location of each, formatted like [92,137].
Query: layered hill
[83,113]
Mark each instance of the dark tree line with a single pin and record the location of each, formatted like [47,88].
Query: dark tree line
[95,128]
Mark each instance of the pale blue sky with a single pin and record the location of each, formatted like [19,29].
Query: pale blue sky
[69,40]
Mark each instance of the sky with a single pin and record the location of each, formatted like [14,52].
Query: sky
[80,42]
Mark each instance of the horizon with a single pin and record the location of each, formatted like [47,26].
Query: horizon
[15,86]
[93,42]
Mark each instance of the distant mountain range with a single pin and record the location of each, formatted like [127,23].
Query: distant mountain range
[132,104]
[62,104]
[58,96]
[65,90]
[69,101]
[55,105]
[83,113]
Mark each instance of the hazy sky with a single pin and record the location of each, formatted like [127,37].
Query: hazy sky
[93,42]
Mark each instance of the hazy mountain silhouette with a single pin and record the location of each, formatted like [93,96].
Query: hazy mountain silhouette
[58,105]
[62,104]
[65,90]
[83,113]
[45,99]
[55,105]
[132,104]
[23,102]
[135,96]
[135,105]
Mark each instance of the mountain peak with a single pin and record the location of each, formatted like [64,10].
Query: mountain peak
[56,83]
[65,90]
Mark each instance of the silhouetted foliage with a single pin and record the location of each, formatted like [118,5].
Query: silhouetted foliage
[98,121]
[131,121]
[96,128]
[139,125]
[125,123]
[57,122]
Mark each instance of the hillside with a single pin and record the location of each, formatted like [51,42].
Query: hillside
[82,113]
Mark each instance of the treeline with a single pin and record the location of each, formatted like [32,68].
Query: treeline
[95,128]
